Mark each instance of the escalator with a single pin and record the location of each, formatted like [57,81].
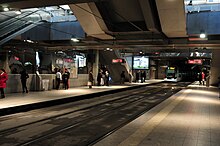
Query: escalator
[115,69]
[19,24]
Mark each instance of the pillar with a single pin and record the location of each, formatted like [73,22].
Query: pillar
[5,63]
[215,67]
[96,65]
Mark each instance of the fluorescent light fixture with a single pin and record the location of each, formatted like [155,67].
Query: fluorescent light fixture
[66,7]
[107,48]
[202,35]
[5,9]
[74,40]
[29,41]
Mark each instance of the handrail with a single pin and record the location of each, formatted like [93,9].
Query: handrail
[16,18]
[202,7]
[17,32]
[4,30]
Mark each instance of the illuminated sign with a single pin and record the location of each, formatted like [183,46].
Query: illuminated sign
[119,60]
[141,62]
[171,68]
[195,61]
[16,58]
[68,60]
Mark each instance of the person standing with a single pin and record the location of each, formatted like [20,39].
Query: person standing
[137,76]
[24,77]
[122,77]
[3,80]
[143,76]
[107,78]
[203,78]
[65,78]
[58,79]
[91,79]
[99,78]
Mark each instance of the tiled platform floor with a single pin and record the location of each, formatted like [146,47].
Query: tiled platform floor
[189,118]
[19,99]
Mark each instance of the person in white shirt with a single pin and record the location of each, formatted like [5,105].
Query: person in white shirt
[58,79]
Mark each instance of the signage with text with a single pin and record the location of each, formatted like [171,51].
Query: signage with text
[118,60]
[195,61]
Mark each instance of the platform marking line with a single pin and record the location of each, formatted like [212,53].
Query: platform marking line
[138,136]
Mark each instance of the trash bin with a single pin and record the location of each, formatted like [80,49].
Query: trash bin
[45,84]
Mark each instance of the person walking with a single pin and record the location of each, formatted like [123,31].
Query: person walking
[24,77]
[91,79]
[3,80]
[58,79]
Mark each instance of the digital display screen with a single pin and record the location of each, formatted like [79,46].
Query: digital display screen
[141,62]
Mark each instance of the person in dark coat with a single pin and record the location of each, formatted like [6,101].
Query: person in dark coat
[24,77]
[107,78]
[137,76]
[3,79]
[143,76]
[65,78]
[122,77]
[91,79]
[99,78]
[200,78]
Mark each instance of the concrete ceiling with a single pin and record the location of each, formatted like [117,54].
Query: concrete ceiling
[143,24]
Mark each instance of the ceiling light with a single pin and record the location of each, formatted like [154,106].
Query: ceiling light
[66,7]
[202,35]
[74,40]
[5,9]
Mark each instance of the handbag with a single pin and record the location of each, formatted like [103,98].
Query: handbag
[102,81]
[89,83]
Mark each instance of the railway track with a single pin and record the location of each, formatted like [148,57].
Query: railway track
[89,124]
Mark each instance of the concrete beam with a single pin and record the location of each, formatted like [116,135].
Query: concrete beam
[90,20]
[148,15]
[22,4]
[172,17]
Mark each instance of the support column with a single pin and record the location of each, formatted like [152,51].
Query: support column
[96,65]
[5,64]
[215,67]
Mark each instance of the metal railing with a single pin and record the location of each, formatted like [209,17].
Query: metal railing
[202,8]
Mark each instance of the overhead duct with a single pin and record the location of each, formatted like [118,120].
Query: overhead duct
[90,20]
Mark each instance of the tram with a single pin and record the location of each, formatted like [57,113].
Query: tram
[172,74]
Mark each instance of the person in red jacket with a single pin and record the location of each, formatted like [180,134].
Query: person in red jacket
[3,79]
[203,78]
